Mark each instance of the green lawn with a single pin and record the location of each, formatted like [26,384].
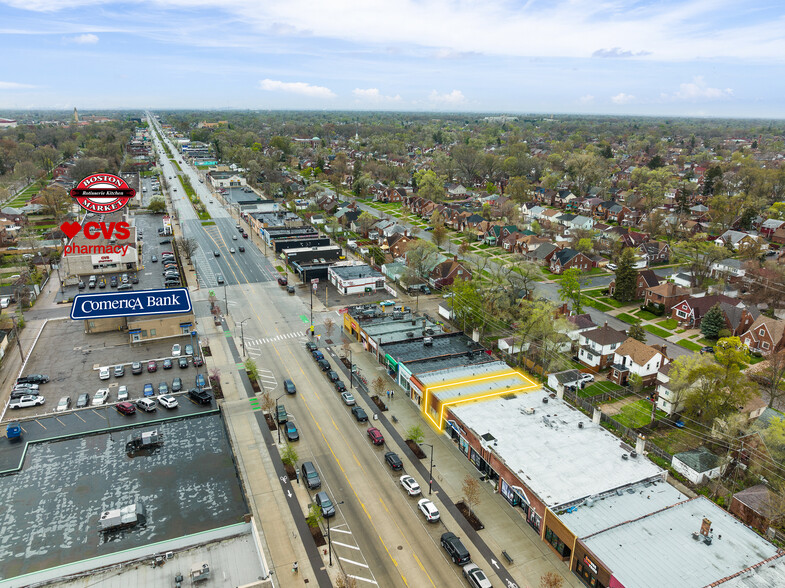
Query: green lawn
[598,388]
[637,414]
[628,318]
[668,324]
[611,302]
[207,223]
[596,304]
[687,344]
[594,292]
[645,315]
[657,331]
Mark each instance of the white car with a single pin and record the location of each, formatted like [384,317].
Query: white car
[103,373]
[176,350]
[122,393]
[410,485]
[586,378]
[428,509]
[348,398]
[167,401]
[26,402]
[100,397]
[612,266]
[476,577]
[231,250]
[64,404]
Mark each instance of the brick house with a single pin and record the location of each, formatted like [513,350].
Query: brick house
[596,347]
[766,335]
[569,259]
[690,311]
[646,279]
[397,245]
[634,357]
[445,273]
[543,254]
[755,506]
[667,294]
[655,251]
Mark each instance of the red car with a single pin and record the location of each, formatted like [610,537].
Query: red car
[125,408]
[245,235]
[376,436]
[152,367]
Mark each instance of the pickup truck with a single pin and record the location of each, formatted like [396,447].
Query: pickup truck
[282,416]
[26,402]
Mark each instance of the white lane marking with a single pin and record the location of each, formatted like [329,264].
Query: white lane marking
[340,531]
[357,563]
[345,544]
[363,579]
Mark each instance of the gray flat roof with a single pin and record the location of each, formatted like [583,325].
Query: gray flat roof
[659,549]
[613,509]
[354,272]
[472,380]
[559,461]
[442,345]
[771,573]
[421,366]
[387,329]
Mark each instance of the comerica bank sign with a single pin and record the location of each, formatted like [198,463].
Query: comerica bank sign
[142,302]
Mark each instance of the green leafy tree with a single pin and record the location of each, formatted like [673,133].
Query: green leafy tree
[251,369]
[713,322]
[626,276]
[637,332]
[419,258]
[365,221]
[157,205]
[584,245]
[415,433]
[429,185]
[570,289]
[315,515]
[439,234]
[289,456]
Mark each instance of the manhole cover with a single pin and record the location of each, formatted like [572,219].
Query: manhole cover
[400,547]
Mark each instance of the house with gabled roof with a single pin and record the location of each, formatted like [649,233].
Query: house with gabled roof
[691,310]
[568,259]
[738,240]
[543,254]
[634,357]
[445,273]
[646,279]
[597,346]
[666,294]
[765,336]
[655,251]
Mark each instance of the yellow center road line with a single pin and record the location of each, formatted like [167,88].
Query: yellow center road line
[229,264]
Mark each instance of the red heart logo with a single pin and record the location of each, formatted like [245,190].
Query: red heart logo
[71,229]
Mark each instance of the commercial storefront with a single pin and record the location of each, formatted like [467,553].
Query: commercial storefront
[590,569]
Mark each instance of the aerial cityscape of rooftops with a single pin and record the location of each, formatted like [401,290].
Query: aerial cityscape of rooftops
[471,304]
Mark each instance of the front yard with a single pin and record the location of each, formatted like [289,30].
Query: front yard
[637,414]
[657,331]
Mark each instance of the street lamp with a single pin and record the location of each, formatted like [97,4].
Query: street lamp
[242,333]
[329,541]
[430,471]
[351,369]
[275,416]
[226,304]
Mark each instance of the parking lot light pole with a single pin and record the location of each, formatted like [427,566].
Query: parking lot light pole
[242,333]
[329,541]
[430,471]
[275,416]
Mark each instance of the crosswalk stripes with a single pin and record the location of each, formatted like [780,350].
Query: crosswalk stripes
[355,555]
[281,337]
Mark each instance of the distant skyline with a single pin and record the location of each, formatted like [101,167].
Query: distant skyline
[710,58]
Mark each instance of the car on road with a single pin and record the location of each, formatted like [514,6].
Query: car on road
[152,366]
[122,393]
[410,485]
[376,436]
[476,577]
[125,408]
[340,387]
[199,396]
[154,259]
[289,387]
[167,364]
[245,235]
[238,227]
[323,364]
[216,253]
[283,281]
[146,404]
[163,388]
[26,401]
[332,375]
[317,355]
[136,368]
[455,549]
[148,390]
[323,501]
[100,397]
[241,248]
[104,374]
[359,414]
[393,461]
[167,401]
[231,250]
[290,289]
[310,346]
[234,237]
[33,379]
[310,475]
[82,400]
[219,278]
[348,399]
[182,362]
[291,431]
[429,510]
[176,350]
[63,404]
[177,385]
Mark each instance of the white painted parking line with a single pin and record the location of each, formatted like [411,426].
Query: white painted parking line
[345,544]
[356,563]
[334,530]
[363,579]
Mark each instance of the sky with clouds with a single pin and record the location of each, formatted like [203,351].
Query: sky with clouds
[626,57]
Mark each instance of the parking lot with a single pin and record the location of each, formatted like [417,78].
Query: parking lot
[72,359]
[51,508]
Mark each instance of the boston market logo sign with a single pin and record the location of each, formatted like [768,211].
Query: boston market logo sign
[102,193]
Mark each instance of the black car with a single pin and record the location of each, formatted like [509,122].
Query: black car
[81,285]
[359,414]
[167,364]
[134,279]
[339,386]
[182,362]
[289,387]
[83,400]
[455,549]
[113,281]
[177,385]
[242,249]
[292,434]
[199,396]
[33,379]
[323,364]
[393,461]
[136,368]
[332,375]
[164,241]
[707,349]
[19,392]
[310,346]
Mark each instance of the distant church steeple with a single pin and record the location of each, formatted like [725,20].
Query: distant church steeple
[76,115]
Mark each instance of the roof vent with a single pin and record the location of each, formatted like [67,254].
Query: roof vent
[625,456]
[580,424]
[633,454]
[545,400]
[410,334]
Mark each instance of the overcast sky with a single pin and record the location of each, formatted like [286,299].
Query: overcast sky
[672,57]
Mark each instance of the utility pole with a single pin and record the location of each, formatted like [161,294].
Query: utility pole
[16,334]
[242,334]
[226,303]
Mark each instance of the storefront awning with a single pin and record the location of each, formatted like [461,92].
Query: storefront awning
[391,362]
[134,331]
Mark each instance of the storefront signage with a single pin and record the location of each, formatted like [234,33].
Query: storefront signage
[119,304]
[590,564]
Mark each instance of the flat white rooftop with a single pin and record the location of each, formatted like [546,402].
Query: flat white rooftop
[561,462]
[474,380]
[659,549]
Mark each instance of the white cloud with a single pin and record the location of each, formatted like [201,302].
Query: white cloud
[622,98]
[374,95]
[454,97]
[14,86]
[301,88]
[618,53]
[698,90]
[588,98]
[86,39]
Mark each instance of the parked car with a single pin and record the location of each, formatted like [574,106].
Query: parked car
[167,401]
[707,349]
[323,501]
[148,390]
[199,396]
[241,248]
[154,259]
[82,400]
[19,392]
[189,349]
[376,436]
[136,368]
[359,414]
[323,364]
[125,408]
[310,346]
[476,577]
[290,289]
[176,350]
[410,485]
[289,387]
[429,510]
[152,366]
[119,371]
[455,549]
[612,266]
[26,401]
[63,404]
[200,381]
[310,475]
[33,379]
[197,361]
[146,404]
[122,393]
[216,253]
[163,388]
[100,397]
[317,355]
[393,461]
[332,375]
[182,362]
[104,374]
[348,399]
[283,281]
[291,431]
[340,387]
[167,364]
[177,385]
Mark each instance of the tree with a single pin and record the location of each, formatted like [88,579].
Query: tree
[570,289]
[251,369]
[551,580]
[419,257]
[27,170]
[157,205]
[345,581]
[713,322]
[702,254]
[54,199]
[584,245]
[771,378]
[268,404]
[378,385]
[637,332]
[188,246]
[315,515]
[365,221]
[329,324]
[415,434]
[439,234]
[471,492]
[626,276]
[429,185]
[289,455]
[519,189]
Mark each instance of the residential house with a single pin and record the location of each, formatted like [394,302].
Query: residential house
[668,401]
[396,245]
[666,294]
[655,252]
[768,227]
[579,323]
[765,336]
[527,243]
[597,347]
[14,215]
[738,240]
[739,317]
[634,357]
[778,236]
[634,239]
[646,279]
[730,268]
[543,254]
[570,259]
[446,272]
[690,311]
[757,506]
[698,465]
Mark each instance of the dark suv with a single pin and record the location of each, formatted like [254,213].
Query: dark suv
[455,549]
[393,461]
[323,364]
[199,396]
[311,476]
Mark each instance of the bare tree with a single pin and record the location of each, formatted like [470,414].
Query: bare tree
[344,581]
[328,326]
[188,246]
[378,386]
[471,492]
[267,402]
[551,580]
[346,347]
[771,377]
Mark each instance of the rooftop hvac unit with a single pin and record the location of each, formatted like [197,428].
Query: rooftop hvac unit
[580,424]
[410,334]
[633,454]
[625,456]
[707,540]
[545,400]
[529,410]
[427,341]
